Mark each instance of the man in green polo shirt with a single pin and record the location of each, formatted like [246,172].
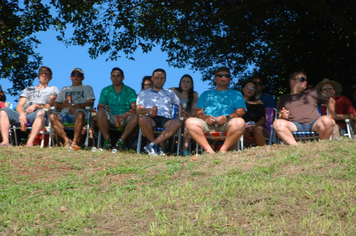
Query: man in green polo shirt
[117,106]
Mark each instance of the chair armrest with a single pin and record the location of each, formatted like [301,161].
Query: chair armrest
[89,108]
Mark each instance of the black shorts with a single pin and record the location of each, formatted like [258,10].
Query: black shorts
[160,120]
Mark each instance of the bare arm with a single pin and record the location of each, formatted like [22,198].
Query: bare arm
[20,110]
[208,119]
[331,107]
[140,110]
[102,106]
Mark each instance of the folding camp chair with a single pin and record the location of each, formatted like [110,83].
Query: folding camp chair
[310,135]
[70,127]
[17,126]
[270,115]
[176,112]
[219,136]
[349,131]
[306,135]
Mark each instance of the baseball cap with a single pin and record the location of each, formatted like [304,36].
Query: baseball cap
[78,69]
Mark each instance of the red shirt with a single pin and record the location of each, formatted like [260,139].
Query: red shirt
[342,106]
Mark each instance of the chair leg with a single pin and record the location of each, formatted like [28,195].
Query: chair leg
[15,135]
[196,149]
[99,140]
[179,141]
[139,140]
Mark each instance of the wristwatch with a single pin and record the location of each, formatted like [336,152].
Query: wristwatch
[228,118]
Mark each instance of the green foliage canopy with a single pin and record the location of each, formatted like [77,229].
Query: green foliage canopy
[18,24]
[277,37]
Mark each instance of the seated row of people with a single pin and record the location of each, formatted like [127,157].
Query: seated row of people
[221,109]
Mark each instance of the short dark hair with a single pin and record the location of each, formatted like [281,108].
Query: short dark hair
[294,74]
[47,68]
[117,68]
[221,69]
[159,70]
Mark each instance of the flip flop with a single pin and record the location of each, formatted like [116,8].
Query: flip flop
[29,145]
[4,145]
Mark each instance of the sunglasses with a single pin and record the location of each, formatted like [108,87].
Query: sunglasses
[251,88]
[302,79]
[147,84]
[76,74]
[328,88]
[222,75]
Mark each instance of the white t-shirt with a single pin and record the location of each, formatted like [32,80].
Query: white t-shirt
[38,96]
[163,99]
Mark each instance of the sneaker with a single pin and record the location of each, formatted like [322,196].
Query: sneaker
[185,153]
[151,149]
[107,144]
[161,151]
[120,145]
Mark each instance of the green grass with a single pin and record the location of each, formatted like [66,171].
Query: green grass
[273,190]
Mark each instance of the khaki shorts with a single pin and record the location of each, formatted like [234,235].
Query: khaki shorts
[112,120]
[210,128]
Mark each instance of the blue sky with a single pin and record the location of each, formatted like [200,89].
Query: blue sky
[97,72]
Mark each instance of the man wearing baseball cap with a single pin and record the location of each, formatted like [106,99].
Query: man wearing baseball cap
[72,112]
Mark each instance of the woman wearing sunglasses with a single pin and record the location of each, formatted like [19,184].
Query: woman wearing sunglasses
[255,116]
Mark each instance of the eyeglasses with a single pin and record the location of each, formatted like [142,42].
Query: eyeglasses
[328,88]
[76,74]
[251,88]
[222,75]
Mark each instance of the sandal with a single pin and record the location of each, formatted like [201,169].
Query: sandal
[4,145]
[67,144]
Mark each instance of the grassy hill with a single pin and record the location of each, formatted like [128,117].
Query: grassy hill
[273,190]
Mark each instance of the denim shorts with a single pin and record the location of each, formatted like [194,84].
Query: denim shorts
[304,127]
[160,120]
[67,118]
[14,115]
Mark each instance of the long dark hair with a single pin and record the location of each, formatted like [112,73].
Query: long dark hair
[190,92]
[250,81]
[143,81]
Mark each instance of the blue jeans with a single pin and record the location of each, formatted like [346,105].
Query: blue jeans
[304,127]
[14,115]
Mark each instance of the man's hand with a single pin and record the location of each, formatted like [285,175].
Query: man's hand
[284,114]
[31,108]
[72,109]
[119,118]
[221,120]
[22,119]
[210,120]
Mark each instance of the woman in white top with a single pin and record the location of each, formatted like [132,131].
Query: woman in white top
[188,98]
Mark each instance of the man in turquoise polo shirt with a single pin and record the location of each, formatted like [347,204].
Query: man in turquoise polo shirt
[117,106]
[220,109]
